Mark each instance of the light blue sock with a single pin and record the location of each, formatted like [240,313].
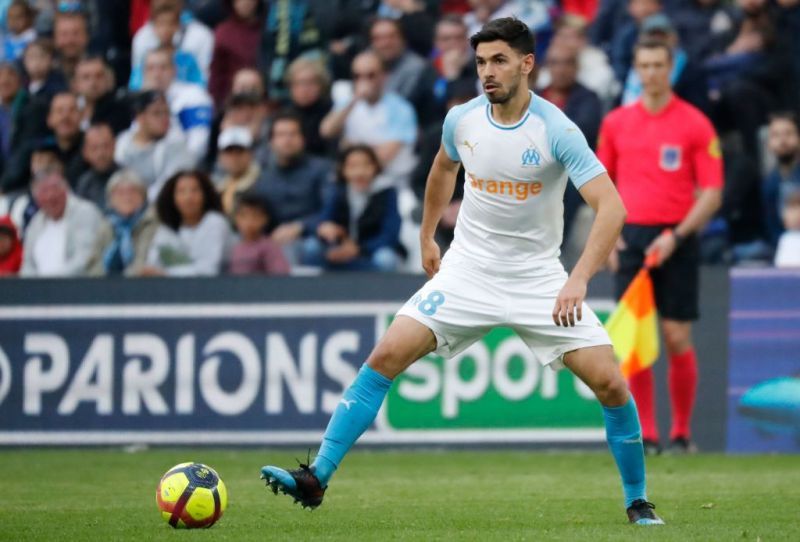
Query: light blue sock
[624,435]
[353,415]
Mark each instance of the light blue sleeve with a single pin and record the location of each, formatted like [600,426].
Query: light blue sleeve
[569,146]
[401,122]
[449,132]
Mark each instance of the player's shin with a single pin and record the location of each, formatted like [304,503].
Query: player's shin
[353,415]
[624,435]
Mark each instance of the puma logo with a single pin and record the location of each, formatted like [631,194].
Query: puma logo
[470,146]
[347,403]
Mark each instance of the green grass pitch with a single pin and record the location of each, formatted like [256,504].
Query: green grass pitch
[77,495]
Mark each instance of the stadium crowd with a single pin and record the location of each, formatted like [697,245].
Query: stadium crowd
[203,137]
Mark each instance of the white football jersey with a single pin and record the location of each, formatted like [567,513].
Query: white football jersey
[512,216]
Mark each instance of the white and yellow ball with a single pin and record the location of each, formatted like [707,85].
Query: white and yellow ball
[191,495]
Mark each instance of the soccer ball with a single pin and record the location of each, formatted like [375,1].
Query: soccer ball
[191,495]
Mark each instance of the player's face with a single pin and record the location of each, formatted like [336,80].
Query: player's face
[653,67]
[501,70]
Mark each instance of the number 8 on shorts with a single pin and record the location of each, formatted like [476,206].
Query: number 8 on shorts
[430,304]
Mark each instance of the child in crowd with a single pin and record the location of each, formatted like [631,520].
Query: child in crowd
[10,248]
[43,80]
[19,21]
[255,253]
[788,251]
[360,223]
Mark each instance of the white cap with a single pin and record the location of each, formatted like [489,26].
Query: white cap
[235,136]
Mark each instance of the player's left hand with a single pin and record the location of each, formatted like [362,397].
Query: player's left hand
[664,246]
[569,302]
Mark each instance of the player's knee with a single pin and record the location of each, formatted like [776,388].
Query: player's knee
[677,339]
[384,359]
[612,390]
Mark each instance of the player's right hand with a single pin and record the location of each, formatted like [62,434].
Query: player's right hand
[431,256]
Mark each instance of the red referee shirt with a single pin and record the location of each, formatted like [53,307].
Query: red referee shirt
[658,160]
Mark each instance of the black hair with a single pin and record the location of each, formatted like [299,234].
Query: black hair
[254,200]
[366,149]
[651,43]
[166,209]
[508,29]
[142,100]
[285,115]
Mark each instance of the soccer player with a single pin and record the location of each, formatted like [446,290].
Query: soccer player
[502,268]
[665,158]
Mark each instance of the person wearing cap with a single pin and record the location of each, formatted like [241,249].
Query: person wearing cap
[686,78]
[236,160]
[149,146]
[124,239]
[98,152]
[60,239]
[664,156]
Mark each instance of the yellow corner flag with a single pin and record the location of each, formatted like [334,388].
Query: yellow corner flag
[632,325]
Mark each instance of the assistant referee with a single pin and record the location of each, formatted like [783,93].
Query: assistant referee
[664,156]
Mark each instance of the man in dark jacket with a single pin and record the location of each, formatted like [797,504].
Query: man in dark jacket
[294,183]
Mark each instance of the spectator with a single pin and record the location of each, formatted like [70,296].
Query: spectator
[452,56]
[309,85]
[623,41]
[407,73]
[249,81]
[701,24]
[687,79]
[10,248]
[194,235]
[359,228]
[664,157]
[594,71]
[190,105]
[44,79]
[255,253]
[290,32]
[124,242]
[236,160]
[98,152]
[63,120]
[99,103]
[376,117]
[236,42]
[788,252]
[535,14]
[416,19]
[149,147]
[249,111]
[192,37]
[293,183]
[19,22]
[12,97]
[751,76]
[581,105]
[71,40]
[783,143]
[61,236]
[166,21]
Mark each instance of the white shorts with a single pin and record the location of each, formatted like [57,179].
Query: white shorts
[461,303]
